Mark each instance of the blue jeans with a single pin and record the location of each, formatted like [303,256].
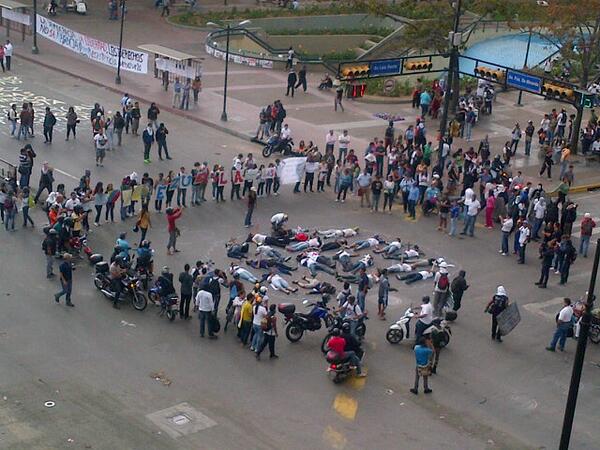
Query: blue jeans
[299,246]
[469,225]
[453,226]
[13,127]
[354,360]
[527,147]
[361,299]
[248,219]
[66,291]
[468,130]
[257,338]
[583,245]
[505,235]
[537,224]
[9,219]
[560,336]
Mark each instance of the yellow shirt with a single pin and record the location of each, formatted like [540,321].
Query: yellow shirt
[246,314]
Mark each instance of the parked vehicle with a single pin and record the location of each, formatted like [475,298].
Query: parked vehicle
[277,145]
[169,304]
[400,329]
[298,323]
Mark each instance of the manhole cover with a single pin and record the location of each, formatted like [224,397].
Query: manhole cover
[180,419]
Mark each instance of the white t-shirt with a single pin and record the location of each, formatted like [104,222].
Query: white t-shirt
[427,313]
[351,311]
[473,208]
[523,235]
[286,133]
[101,141]
[401,267]
[260,313]
[344,141]
[263,249]
[330,138]
[596,146]
[72,203]
[565,314]
[411,253]
[277,218]
[372,242]
[426,274]
[313,243]
[259,239]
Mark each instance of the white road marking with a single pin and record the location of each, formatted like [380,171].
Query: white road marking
[66,174]
[539,308]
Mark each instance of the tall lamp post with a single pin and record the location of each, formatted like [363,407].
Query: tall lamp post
[228,28]
[525,65]
[118,78]
[34,48]
[452,68]
[584,329]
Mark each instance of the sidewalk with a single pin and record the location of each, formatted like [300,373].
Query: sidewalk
[310,115]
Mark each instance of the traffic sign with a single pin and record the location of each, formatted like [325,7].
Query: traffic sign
[389,86]
[385,67]
[524,81]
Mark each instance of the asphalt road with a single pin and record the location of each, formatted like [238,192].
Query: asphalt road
[96,363]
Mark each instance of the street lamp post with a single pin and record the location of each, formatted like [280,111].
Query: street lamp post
[525,66]
[118,78]
[584,328]
[34,48]
[451,74]
[228,28]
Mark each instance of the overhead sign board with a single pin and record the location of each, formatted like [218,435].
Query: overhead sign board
[524,81]
[385,67]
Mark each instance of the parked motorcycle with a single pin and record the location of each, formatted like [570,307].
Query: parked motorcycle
[440,331]
[338,321]
[276,145]
[169,305]
[400,329]
[131,286]
[298,323]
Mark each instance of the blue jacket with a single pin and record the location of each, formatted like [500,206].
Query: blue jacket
[413,194]
[147,137]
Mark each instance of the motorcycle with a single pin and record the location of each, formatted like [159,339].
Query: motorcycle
[339,368]
[276,145]
[298,323]
[440,328]
[168,305]
[338,321]
[131,286]
[400,329]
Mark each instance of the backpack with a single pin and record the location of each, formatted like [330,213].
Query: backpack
[499,304]
[267,323]
[586,228]
[443,282]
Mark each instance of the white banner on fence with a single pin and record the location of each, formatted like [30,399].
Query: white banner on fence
[178,68]
[293,170]
[252,62]
[15,16]
[102,52]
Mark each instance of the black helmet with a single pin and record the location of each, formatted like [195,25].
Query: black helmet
[346,327]
[335,332]
[123,235]
[145,244]
[119,260]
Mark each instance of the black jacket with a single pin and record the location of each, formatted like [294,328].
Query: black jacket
[292,78]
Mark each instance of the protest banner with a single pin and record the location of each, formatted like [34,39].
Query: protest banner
[94,49]
[292,170]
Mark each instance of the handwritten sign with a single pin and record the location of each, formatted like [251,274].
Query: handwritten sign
[102,52]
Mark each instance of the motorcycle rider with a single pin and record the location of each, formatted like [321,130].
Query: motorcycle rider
[124,246]
[144,257]
[351,312]
[337,345]
[118,270]
[352,343]
[165,284]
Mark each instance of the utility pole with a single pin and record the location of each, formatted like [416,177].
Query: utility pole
[584,328]
[525,65]
[452,69]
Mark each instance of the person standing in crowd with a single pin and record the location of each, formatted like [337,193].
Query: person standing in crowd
[148,138]
[49,122]
[497,304]
[301,79]
[524,235]
[251,206]
[72,122]
[101,142]
[383,294]
[564,322]
[291,82]
[177,88]
[458,287]
[161,140]
[205,306]
[8,53]
[196,88]
[569,254]
[182,186]
[423,354]
[12,116]
[143,222]
[290,58]
[49,246]
[473,207]
[269,332]
[66,280]
[587,227]
[187,282]
[339,96]
[529,130]
[100,199]
[172,216]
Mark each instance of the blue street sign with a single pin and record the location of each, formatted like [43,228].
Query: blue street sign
[524,81]
[389,67]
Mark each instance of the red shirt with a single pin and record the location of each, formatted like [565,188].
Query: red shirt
[337,344]
[171,218]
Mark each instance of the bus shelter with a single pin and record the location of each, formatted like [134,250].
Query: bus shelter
[170,64]
[16,16]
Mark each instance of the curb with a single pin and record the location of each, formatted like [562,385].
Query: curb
[170,109]
[577,189]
